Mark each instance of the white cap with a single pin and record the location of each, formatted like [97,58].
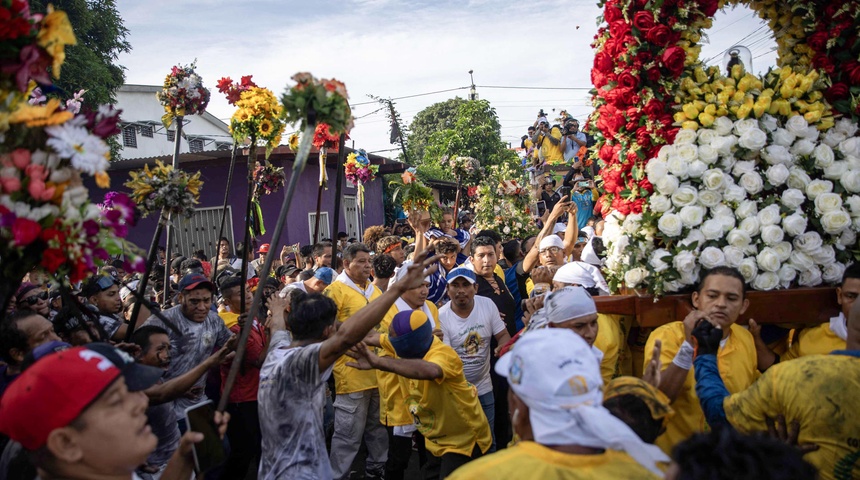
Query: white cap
[551,241]
[588,231]
[582,274]
[568,303]
[555,374]
[559,227]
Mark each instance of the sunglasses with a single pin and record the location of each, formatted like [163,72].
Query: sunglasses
[35,298]
[104,283]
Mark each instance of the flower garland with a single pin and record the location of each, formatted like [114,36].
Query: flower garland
[359,171]
[504,203]
[163,189]
[183,93]
[258,113]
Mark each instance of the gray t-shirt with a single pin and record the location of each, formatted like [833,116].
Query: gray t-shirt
[162,420]
[110,323]
[197,342]
[291,400]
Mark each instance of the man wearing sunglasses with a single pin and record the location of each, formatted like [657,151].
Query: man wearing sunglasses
[20,333]
[33,297]
[103,293]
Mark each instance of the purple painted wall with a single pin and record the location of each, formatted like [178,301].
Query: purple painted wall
[214,172]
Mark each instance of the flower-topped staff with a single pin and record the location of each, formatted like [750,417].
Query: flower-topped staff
[269,179]
[467,170]
[504,203]
[359,171]
[415,197]
[183,94]
[258,113]
[325,140]
[164,189]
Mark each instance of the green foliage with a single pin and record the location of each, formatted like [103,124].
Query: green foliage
[437,117]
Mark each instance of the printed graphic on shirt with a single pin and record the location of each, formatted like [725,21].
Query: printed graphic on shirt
[473,342]
[424,419]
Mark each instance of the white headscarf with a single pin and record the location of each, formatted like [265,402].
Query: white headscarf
[583,274]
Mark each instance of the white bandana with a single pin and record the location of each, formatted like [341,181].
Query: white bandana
[839,326]
[344,278]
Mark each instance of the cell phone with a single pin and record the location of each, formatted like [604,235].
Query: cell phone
[584,184]
[208,453]
[401,221]
[565,191]
[541,208]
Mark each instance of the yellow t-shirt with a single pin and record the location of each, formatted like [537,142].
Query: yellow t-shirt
[532,460]
[609,341]
[552,154]
[819,340]
[392,387]
[736,362]
[350,301]
[819,392]
[229,318]
[446,410]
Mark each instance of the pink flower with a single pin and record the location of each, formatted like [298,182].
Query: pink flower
[10,184]
[34,63]
[20,158]
[39,191]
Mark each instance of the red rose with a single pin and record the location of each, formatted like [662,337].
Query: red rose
[654,108]
[644,21]
[854,72]
[673,59]
[598,79]
[634,99]
[818,40]
[653,74]
[619,28]
[839,91]
[628,80]
[605,152]
[603,62]
[52,259]
[645,184]
[631,159]
[644,56]
[709,7]
[659,35]
[621,205]
[638,205]
[824,62]
[643,138]
[612,14]
[25,231]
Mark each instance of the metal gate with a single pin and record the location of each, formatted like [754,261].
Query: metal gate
[201,231]
[325,231]
[351,217]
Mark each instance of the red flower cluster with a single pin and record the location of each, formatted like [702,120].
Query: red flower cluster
[15,20]
[234,90]
[324,138]
[835,50]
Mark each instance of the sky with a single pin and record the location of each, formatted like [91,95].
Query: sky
[393,49]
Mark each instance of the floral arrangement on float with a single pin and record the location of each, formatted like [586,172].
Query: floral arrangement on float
[164,190]
[504,203]
[359,171]
[183,94]
[467,170]
[46,218]
[414,197]
[703,169]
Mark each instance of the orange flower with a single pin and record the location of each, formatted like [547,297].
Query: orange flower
[407,177]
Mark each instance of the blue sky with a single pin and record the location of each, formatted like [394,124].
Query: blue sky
[393,48]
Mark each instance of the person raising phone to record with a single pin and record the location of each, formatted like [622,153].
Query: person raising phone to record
[583,194]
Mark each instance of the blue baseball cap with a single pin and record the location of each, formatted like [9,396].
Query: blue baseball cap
[461,272]
[325,274]
[193,281]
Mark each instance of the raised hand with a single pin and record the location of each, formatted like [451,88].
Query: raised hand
[422,266]
[777,430]
[655,366]
[364,358]
[706,339]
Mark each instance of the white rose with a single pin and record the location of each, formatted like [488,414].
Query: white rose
[853,202]
[765,281]
[846,127]
[794,224]
[678,166]
[751,182]
[823,155]
[810,277]
[850,180]
[712,229]
[802,148]
[694,237]
[787,274]
[684,262]
[835,171]
[657,169]
[672,286]
[687,152]
[707,153]
[768,122]
[771,235]
[753,140]
[769,215]
[811,134]
[850,146]
[506,230]
[725,216]
[696,169]
[635,276]
[743,167]
[796,125]
[663,154]
[706,136]
[670,225]
[783,250]
[828,202]
[738,238]
[833,138]
[656,260]
[692,215]
[801,261]
[684,195]
[848,238]
[808,242]
[748,269]
[782,137]
[832,272]
[690,278]
[853,162]
[734,193]
[660,203]
[713,179]
[776,154]
[777,174]
[728,162]
[723,145]
[798,178]
[834,222]
[750,226]
[824,255]
[768,260]
[734,256]
[712,257]
[817,187]
[743,126]
[710,198]
[722,126]
[746,208]
[792,198]
[685,136]
[666,185]
[631,223]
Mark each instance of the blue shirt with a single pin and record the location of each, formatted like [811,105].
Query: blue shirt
[585,204]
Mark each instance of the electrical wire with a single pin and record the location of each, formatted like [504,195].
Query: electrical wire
[412,96]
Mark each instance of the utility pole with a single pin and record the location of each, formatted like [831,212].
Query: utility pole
[473,93]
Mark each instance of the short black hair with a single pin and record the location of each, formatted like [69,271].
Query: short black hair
[725,454]
[633,411]
[853,271]
[176,264]
[383,266]
[305,274]
[725,271]
[310,316]
[490,233]
[483,241]
[227,284]
[341,235]
[524,242]
[446,245]
[511,250]
[191,264]
[319,248]
[306,250]
[13,337]
[200,255]
[351,251]
[142,335]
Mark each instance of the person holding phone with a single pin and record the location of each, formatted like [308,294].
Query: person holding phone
[584,195]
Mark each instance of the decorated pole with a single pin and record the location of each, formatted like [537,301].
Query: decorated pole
[163,218]
[319,205]
[301,104]
[252,158]
[170,228]
[457,199]
[338,184]
[224,210]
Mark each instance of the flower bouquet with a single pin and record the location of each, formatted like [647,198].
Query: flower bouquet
[415,197]
[359,171]
[504,203]
[164,189]
[466,169]
[269,179]
[258,113]
[183,94]
[318,101]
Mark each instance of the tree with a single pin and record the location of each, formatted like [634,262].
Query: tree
[436,117]
[91,64]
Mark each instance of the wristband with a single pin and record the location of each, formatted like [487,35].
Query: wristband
[684,357]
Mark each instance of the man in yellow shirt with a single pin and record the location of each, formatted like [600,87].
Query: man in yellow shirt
[821,339]
[444,406]
[356,406]
[720,299]
[548,142]
[231,293]
[566,433]
[816,393]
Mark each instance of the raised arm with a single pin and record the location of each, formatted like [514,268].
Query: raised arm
[177,387]
[532,256]
[571,233]
[413,368]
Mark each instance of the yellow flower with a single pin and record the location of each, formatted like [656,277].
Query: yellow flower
[40,115]
[293,142]
[102,180]
[55,33]
[265,127]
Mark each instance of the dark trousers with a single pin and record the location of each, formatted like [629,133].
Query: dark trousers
[442,467]
[243,431]
[399,452]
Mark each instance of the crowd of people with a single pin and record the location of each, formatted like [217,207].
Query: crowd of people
[425,351]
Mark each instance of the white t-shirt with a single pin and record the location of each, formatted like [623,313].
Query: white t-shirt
[470,338]
[300,285]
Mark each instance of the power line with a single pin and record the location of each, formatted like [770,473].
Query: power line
[412,96]
[533,88]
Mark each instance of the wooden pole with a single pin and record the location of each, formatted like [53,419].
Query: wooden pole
[150,261]
[252,157]
[457,201]
[224,211]
[170,228]
[338,184]
[319,206]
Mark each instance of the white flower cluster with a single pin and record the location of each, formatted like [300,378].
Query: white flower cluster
[779,203]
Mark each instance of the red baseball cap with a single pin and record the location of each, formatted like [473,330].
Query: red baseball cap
[57,388]
[264,248]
